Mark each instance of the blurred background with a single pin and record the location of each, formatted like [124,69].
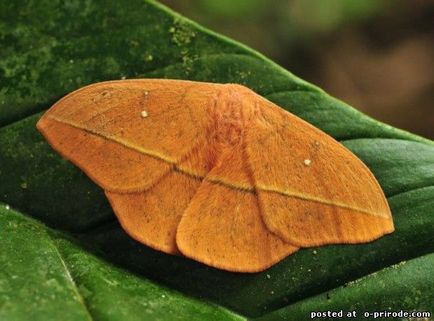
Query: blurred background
[376,55]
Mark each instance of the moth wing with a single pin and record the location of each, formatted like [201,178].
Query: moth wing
[153,215]
[222,226]
[128,134]
[311,189]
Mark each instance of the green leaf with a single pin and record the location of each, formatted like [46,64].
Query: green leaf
[406,282]
[50,49]
[46,276]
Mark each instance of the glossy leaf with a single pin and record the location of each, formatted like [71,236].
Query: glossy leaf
[406,282]
[46,276]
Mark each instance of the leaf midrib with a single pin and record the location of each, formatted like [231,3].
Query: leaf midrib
[71,280]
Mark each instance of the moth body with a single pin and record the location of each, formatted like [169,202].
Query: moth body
[216,172]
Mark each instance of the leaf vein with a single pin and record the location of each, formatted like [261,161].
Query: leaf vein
[69,276]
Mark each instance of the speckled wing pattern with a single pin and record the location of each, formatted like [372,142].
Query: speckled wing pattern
[215,172]
[328,196]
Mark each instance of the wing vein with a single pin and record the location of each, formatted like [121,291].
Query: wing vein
[215,181]
[116,140]
[314,199]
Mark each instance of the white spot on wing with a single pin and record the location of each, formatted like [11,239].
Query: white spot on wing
[144,114]
[307,162]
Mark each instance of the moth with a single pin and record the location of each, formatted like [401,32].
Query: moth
[216,172]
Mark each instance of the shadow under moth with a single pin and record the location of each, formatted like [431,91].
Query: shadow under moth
[216,172]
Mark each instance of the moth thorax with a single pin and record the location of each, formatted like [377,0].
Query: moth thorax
[229,121]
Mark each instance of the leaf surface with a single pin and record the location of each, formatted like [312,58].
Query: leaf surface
[47,276]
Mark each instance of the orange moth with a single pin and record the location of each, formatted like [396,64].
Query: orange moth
[216,172]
